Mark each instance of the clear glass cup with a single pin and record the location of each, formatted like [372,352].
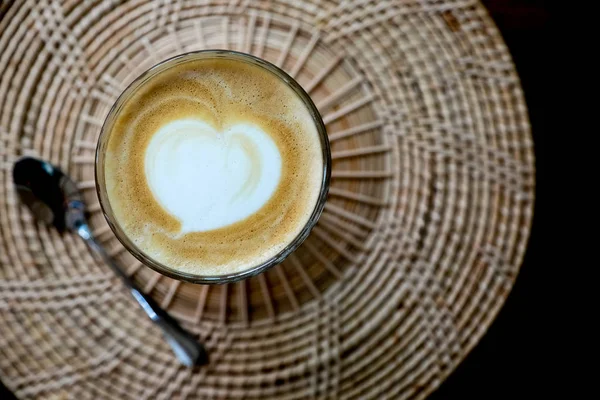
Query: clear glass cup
[103,142]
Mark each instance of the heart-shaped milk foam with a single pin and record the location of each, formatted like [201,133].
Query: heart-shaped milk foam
[209,179]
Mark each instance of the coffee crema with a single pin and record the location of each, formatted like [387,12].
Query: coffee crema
[213,166]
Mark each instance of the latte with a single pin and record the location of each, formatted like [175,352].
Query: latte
[212,166]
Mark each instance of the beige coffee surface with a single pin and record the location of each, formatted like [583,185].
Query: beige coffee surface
[223,94]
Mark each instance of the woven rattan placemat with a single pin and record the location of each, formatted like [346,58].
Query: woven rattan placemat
[421,239]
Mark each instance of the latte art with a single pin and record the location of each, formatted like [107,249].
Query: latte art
[212,166]
[209,179]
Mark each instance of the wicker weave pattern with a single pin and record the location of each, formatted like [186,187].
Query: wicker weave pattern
[420,242]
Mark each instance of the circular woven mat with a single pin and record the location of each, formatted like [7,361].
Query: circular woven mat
[419,245]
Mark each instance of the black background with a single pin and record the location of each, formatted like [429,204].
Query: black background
[510,362]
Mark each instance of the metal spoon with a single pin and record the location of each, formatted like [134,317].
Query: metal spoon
[54,199]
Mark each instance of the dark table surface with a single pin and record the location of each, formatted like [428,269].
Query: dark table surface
[507,361]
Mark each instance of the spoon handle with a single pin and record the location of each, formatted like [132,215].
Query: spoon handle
[184,345]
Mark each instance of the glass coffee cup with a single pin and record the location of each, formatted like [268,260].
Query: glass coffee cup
[171,270]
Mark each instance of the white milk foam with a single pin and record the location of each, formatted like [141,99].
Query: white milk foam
[209,179]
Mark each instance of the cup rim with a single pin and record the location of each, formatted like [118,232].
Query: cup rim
[103,195]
